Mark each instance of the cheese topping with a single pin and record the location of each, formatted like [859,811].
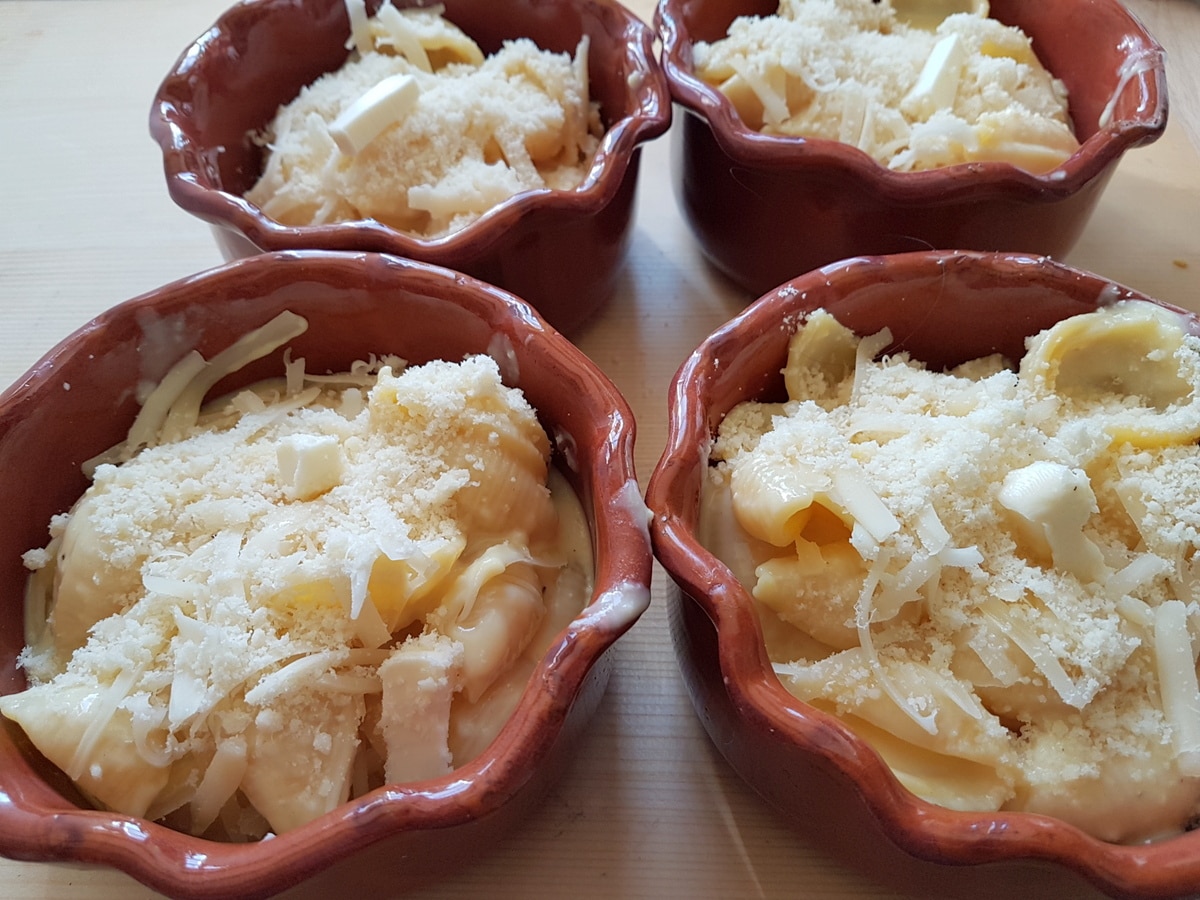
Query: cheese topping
[322,584]
[916,85]
[1008,611]
[419,131]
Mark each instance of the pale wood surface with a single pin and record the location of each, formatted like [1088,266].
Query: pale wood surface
[649,809]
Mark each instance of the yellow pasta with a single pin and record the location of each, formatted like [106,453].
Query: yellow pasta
[1127,368]
[815,590]
[420,131]
[913,91]
[820,359]
[969,739]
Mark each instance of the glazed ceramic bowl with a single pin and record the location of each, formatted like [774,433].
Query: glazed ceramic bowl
[559,250]
[767,208]
[400,835]
[944,308]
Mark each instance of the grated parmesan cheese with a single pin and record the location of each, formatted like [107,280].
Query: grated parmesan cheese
[419,131]
[911,89]
[287,597]
[1020,635]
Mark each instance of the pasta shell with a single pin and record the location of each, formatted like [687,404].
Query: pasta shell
[823,346]
[77,729]
[1127,365]
[302,769]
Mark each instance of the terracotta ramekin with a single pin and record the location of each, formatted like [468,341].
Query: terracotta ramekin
[559,250]
[80,399]
[768,208]
[943,308]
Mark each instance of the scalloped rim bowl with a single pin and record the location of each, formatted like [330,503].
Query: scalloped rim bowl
[945,308]
[396,836]
[559,250]
[766,208]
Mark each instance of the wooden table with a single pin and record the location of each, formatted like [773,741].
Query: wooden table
[649,809]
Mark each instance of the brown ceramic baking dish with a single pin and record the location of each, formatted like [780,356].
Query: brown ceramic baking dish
[943,308]
[766,208]
[81,398]
[559,250]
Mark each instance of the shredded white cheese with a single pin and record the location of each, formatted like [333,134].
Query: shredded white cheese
[912,91]
[1014,552]
[419,131]
[290,595]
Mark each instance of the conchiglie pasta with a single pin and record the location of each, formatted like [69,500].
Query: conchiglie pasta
[239,657]
[406,590]
[509,493]
[774,503]
[989,573]
[493,609]
[278,778]
[720,533]
[949,781]
[80,599]
[820,358]
[1127,368]
[816,591]
[1119,788]
[787,484]
[90,744]
[970,747]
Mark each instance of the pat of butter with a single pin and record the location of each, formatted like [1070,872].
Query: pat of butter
[372,113]
[1058,500]
[937,85]
[309,465]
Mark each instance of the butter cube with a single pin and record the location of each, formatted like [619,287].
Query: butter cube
[309,465]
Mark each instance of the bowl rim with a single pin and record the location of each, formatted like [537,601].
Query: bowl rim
[33,823]
[192,185]
[759,700]
[787,154]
